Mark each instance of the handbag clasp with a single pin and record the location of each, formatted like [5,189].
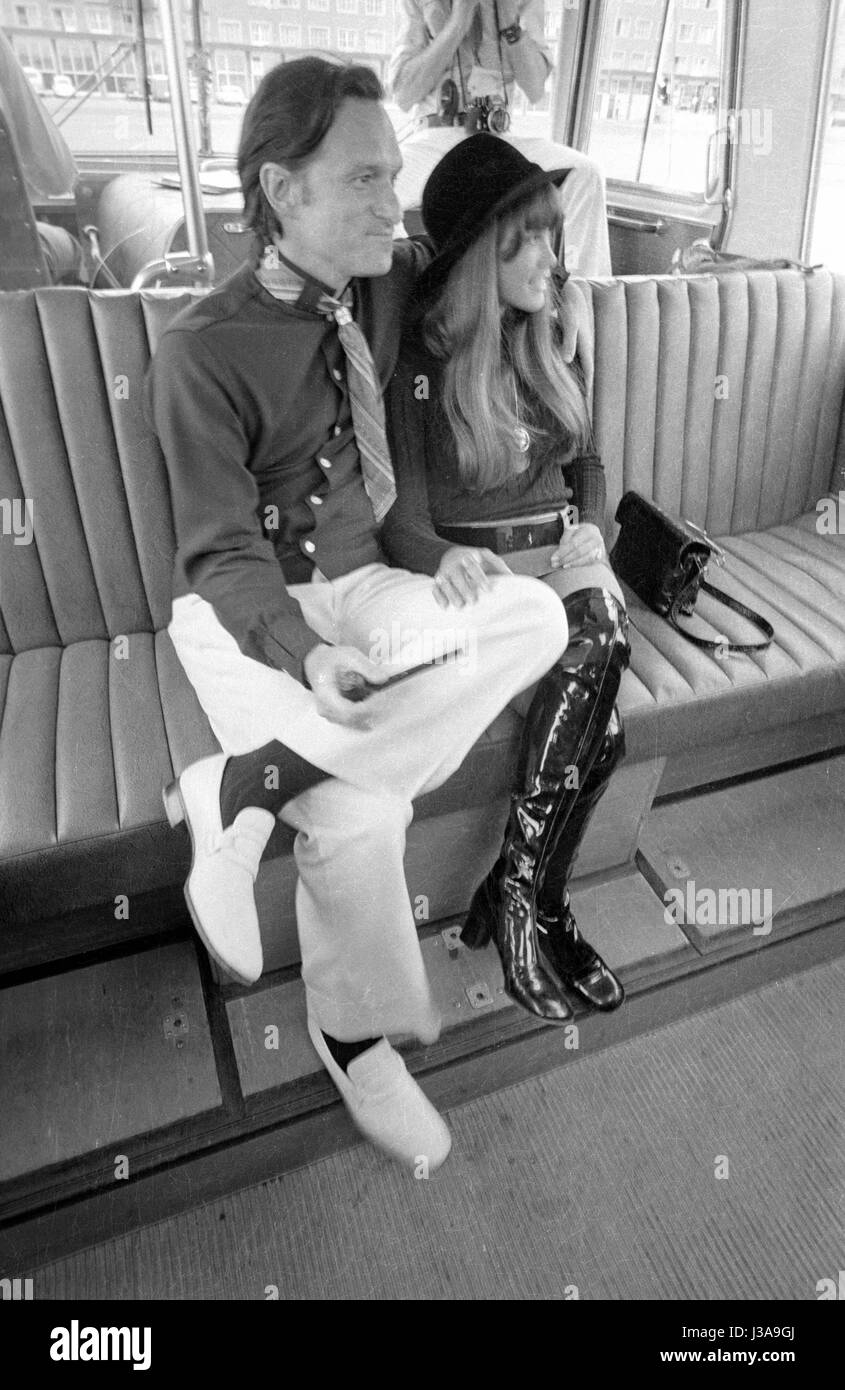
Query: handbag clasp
[718,552]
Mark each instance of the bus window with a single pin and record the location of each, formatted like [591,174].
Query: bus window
[826,240]
[658,96]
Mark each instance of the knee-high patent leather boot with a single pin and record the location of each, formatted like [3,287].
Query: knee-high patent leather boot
[573,959]
[563,730]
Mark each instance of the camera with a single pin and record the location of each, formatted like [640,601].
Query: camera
[482,113]
[487,113]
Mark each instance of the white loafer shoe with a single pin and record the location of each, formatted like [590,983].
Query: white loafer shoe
[219,889]
[386,1103]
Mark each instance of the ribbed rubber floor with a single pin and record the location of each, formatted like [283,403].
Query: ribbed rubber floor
[600,1175]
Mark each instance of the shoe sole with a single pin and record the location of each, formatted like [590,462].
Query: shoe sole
[176,812]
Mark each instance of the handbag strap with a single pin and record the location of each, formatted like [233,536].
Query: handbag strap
[729,648]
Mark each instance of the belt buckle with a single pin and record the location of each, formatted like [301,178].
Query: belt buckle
[504,540]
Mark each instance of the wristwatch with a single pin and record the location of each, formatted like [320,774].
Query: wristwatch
[513,33]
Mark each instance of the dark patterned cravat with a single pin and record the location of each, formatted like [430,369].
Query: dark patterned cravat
[286,282]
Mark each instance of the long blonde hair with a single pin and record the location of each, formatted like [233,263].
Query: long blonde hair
[501,367]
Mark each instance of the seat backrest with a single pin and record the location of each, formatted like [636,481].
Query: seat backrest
[78,457]
[22,262]
[721,397]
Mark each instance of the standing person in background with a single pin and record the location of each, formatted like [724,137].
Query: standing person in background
[480,49]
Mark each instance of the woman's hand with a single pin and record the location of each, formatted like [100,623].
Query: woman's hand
[462,575]
[579,545]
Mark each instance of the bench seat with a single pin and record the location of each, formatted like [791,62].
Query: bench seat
[84,753]
[96,713]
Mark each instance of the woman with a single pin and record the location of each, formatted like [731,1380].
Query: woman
[489,428]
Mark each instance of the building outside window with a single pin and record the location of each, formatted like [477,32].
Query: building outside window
[318,4]
[230,68]
[76,58]
[686,33]
[28,16]
[260,33]
[318,37]
[230,31]
[98,19]
[374,7]
[374,41]
[34,53]
[63,17]
[290,35]
[347,6]
[347,40]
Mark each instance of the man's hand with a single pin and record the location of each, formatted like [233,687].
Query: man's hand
[579,545]
[462,575]
[325,668]
[575,323]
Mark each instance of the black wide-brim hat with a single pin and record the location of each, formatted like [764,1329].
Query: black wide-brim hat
[480,178]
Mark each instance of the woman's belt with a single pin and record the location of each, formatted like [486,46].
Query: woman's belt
[508,533]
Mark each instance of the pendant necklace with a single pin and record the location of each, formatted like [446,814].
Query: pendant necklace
[520,434]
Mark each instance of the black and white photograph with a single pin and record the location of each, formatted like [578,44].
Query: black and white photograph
[422,670]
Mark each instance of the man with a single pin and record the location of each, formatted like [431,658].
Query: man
[266,399]
[480,48]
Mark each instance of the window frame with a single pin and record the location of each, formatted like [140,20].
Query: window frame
[581,90]
[835,19]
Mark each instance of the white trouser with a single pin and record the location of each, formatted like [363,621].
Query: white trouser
[582,196]
[361,961]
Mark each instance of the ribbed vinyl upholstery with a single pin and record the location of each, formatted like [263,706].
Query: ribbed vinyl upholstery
[96,711]
[722,398]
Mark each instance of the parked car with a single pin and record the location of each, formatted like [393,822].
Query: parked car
[63,85]
[35,78]
[230,95]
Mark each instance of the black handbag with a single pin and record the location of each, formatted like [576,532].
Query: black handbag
[664,562]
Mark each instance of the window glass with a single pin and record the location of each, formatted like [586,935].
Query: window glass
[827,243]
[658,97]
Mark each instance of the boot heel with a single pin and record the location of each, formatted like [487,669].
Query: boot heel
[476,929]
[174,809]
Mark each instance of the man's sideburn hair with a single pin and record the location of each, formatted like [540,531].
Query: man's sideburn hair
[492,358]
[291,113]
